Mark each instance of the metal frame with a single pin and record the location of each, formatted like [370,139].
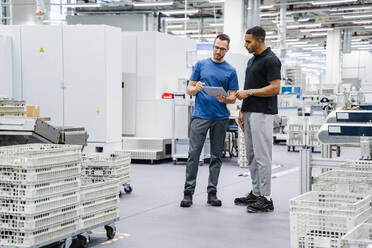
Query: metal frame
[67,239]
[6,12]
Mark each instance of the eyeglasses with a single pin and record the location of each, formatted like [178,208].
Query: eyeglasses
[222,49]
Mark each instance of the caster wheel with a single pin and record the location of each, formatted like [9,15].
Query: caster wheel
[128,189]
[110,232]
[83,241]
[288,148]
[201,163]
[175,162]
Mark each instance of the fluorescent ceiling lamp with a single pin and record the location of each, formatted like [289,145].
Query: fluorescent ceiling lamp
[362,22]
[268,14]
[333,2]
[271,37]
[315,30]
[292,40]
[306,45]
[318,48]
[303,19]
[176,12]
[81,5]
[359,42]
[216,1]
[269,32]
[148,4]
[312,25]
[350,8]
[266,6]
[216,24]
[356,16]
[176,19]
[174,26]
[367,26]
[318,34]
[355,39]
[298,43]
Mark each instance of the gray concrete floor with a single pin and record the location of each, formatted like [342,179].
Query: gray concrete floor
[151,216]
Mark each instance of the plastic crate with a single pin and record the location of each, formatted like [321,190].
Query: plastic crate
[359,237]
[296,139]
[98,205]
[22,174]
[99,217]
[37,221]
[16,190]
[91,189]
[344,181]
[22,238]
[36,155]
[358,165]
[38,205]
[320,219]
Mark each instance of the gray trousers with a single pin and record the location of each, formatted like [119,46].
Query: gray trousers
[258,132]
[198,133]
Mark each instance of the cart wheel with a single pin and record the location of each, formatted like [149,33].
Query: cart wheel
[288,148]
[128,189]
[83,241]
[110,232]
[174,161]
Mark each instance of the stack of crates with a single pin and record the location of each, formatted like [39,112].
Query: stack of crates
[39,193]
[102,176]
[296,131]
[12,108]
[321,218]
[313,126]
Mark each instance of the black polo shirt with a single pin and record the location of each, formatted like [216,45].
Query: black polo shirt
[261,69]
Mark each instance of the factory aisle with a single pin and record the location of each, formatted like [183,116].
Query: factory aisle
[151,216]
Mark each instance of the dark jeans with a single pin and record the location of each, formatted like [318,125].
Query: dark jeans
[198,133]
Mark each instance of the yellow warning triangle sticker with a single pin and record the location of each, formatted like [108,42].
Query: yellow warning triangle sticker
[41,50]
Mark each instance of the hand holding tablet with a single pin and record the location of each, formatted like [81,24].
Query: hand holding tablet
[214,91]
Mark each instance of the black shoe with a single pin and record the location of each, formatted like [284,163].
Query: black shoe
[261,205]
[187,200]
[213,200]
[246,200]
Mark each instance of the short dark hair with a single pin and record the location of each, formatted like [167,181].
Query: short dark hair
[223,37]
[257,32]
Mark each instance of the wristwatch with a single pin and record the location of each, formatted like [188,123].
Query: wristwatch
[250,92]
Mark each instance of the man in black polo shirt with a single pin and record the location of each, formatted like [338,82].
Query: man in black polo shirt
[262,84]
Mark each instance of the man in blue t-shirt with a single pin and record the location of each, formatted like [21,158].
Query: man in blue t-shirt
[210,114]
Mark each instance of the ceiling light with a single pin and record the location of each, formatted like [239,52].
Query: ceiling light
[332,2]
[147,4]
[216,1]
[315,30]
[266,6]
[359,42]
[318,34]
[367,26]
[312,25]
[216,24]
[204,35]
[176,19]
[176,12]
[81,5]
[297,43]
[174,26]
[303,19]
[292,40]
[355,39]
[356,16]
[307,45]
[268,14]
[350,8]
[362,22]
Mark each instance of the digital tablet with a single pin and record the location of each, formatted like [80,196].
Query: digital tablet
[213,91]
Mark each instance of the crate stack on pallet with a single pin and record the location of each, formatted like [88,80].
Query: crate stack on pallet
[12,108]
[338,212]
[102,175]
[39,193]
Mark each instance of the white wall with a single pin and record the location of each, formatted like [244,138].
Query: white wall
[24,11]
[6,67]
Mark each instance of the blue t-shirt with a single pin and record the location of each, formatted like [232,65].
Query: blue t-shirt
[216,75]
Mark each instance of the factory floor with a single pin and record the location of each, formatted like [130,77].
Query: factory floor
[151,216]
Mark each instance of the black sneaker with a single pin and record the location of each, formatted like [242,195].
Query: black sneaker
[261,205]
[187,200]
[246,200]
